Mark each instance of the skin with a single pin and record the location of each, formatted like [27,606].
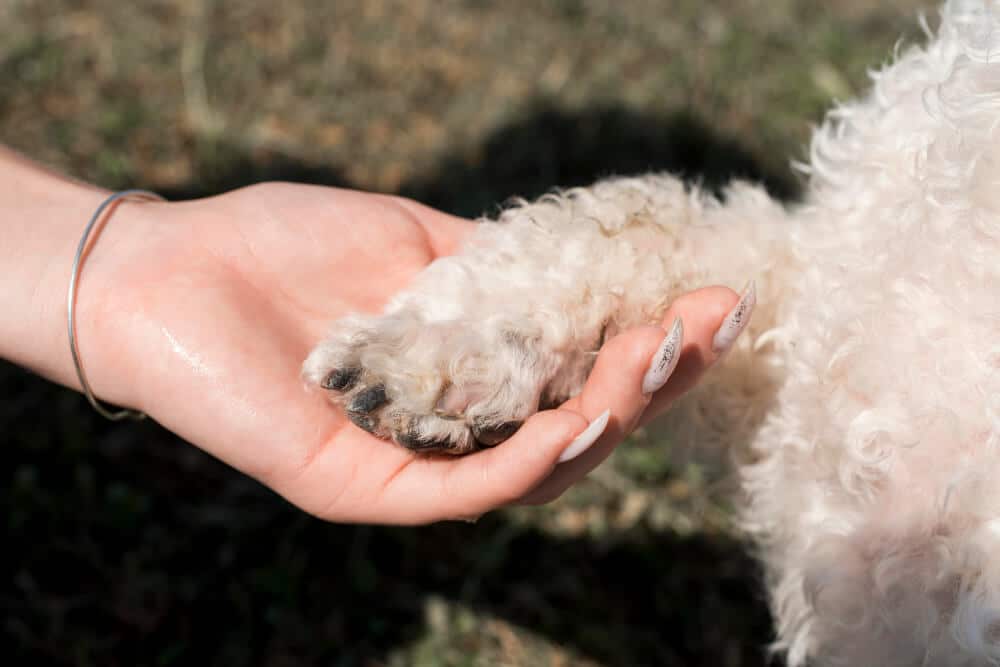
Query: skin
[200,314]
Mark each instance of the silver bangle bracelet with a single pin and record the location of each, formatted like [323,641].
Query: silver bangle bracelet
[123,413]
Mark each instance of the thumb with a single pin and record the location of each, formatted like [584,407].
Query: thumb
[469,486]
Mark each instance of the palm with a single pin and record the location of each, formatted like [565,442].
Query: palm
[249,284]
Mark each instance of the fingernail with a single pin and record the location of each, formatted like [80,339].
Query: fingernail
[589,436]
[665,360]
[736,321]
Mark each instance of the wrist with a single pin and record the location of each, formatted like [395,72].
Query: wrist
[90,231]
[109,304]
[40,211]
[45,218]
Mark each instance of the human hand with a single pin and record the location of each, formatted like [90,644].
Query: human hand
[211,305]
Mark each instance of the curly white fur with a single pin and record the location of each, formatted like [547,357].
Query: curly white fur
[863,406]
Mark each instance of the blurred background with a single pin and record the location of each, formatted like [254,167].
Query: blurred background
[126,546]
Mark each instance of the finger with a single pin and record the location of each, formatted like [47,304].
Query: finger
[526,467]
[705,311]
[430,489]
[621,367]
[615,383]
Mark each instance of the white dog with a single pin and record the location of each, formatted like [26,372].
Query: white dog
[863,400]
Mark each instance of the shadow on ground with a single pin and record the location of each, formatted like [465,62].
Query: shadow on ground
[127,546]
[546,148]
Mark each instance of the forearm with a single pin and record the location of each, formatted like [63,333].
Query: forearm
[43,215]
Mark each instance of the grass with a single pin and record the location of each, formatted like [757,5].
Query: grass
[127,546]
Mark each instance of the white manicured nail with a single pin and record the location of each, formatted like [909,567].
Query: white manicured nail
[589,436]
[665,360]
[736,321]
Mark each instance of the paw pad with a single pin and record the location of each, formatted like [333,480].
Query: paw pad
[341,379]
[398,378]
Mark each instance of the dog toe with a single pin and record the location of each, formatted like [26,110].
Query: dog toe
[368,399]
[341,379]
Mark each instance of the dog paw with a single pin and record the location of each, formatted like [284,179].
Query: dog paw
[446,387]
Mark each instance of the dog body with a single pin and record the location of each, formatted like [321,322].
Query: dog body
[863,402]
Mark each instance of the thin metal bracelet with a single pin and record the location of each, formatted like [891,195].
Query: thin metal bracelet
[123,413]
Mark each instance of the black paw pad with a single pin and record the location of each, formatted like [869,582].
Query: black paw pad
[341,379]
[491,436]
[364,422]
[419,443]
[369,399]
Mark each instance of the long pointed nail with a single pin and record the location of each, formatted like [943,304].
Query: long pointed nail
[665,360]
[736,321]
[589,436]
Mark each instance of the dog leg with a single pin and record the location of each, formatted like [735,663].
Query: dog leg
[482,339]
